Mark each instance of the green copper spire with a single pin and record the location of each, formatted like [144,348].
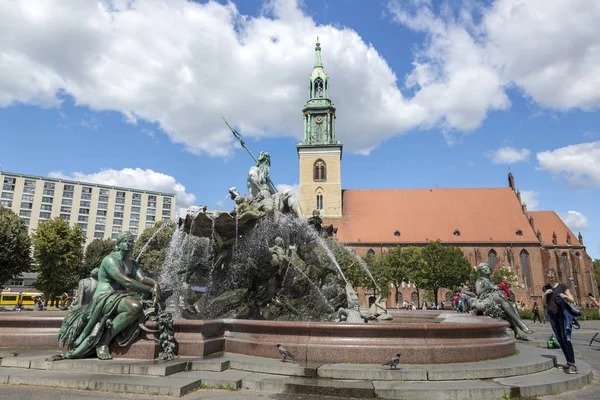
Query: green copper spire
[319,111]
[318,62]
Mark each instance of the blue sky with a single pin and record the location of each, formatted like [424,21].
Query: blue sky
[429,94]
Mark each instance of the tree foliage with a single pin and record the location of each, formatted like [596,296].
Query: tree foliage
[15,246]
[499,272]
[381,274]
[154,255]
[58,255]
[349,264]
[402,265]
[94,254]
[445,267]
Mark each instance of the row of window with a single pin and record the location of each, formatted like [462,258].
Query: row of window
[86,192]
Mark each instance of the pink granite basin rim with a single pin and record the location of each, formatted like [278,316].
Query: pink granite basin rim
[478,338]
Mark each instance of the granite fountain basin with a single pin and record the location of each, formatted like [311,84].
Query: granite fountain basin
[449,338]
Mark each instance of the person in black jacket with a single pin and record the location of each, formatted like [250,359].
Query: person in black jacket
[554,290]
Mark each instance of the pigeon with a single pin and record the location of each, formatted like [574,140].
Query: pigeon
[393,363]
[284,353]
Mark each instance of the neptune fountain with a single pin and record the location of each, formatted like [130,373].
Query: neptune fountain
[261,261]
[261,274]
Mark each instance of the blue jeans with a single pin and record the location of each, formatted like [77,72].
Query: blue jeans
[558,326]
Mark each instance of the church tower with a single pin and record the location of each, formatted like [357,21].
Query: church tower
[320,153]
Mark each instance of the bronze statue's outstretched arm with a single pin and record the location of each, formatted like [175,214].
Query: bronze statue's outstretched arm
[113,270]
[140,276]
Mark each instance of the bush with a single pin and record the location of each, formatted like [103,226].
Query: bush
[527,314]
[589,313]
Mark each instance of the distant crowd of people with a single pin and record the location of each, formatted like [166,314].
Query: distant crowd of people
[424,306]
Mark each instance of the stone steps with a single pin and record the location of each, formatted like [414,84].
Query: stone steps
[532,372]
[529,360]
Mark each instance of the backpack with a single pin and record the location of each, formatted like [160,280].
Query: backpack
[552,343]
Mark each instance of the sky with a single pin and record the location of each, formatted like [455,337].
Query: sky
[428,94]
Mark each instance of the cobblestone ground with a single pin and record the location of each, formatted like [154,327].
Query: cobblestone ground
[581,340]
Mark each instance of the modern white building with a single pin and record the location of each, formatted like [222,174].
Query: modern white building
[101,211]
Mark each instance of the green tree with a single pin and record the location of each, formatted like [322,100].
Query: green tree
[498,273]
[58,255]
[402,264]
[446,267]
[382,273]
[15,246]
[94,254]
[153,257]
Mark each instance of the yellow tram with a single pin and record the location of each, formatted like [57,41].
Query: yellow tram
[15,298]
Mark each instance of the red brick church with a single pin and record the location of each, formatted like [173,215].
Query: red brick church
[489,225]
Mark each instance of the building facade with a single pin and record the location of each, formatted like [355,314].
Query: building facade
[100,211]
[320,153]
[488,224]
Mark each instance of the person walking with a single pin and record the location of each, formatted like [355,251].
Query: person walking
[554,293]
[536,312]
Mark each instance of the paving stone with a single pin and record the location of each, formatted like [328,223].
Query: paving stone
[159,367]
[217,364]
[265,382]
[272,365]
[16,362]
[372,372]
[552,381]
[229,379]
[327,387]
[441,390]
[114,383]
[178,377]
[529,360]
[115,366]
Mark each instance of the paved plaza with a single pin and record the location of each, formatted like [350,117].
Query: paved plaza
[581,339]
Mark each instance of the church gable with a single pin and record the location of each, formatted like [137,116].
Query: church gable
[550,224]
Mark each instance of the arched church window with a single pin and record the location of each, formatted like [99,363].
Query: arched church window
[319,202]
[371,253]
[492,258]
[318,87]
[399,298]
[525,267]
[320,171]
[414,297]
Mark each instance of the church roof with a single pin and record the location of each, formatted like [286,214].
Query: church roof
[473,215]
[548,222]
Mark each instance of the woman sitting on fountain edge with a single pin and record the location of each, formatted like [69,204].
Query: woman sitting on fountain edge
[116,310]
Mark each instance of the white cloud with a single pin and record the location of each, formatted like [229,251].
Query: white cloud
[183,65]
[579,164]
[508,155]
[144,179]
[575,220]
[474,52]
[530,198]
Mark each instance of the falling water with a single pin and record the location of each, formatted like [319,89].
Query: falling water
[165,224]
[312,284]
[332,257]
[170,275]
[236,231]
[364,266]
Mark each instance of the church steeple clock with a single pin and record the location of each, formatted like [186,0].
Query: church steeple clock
[320,153]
